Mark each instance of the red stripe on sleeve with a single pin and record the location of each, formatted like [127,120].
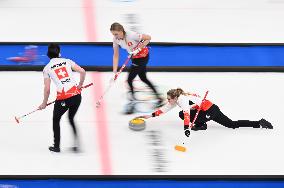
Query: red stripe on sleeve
[186,118]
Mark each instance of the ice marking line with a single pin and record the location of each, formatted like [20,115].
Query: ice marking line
[102,127]
[103,141]
[90,24]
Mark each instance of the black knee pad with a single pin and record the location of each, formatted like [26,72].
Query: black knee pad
[181,115]
[199,126]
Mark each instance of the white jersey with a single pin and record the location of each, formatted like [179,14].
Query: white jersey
[183,103]
[59,70]
[130,43]
[186,103]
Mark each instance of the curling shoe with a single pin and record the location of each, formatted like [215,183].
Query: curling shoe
[129,109]
[75,149]
[265,124]
[54,149]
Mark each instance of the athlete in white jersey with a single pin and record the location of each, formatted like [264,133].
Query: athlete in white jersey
[190,103]
[59,70]
[132,43]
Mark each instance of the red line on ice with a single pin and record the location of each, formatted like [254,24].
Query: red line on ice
[102,127]
[102,136]
[90,23]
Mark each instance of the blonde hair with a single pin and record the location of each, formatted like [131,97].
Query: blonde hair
[177,92]
[117,27]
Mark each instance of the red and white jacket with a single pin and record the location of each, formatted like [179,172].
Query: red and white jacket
[130,43]
[59,70]
[184,103]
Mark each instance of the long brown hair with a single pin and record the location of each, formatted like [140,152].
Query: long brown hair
[117,27]
[177,92]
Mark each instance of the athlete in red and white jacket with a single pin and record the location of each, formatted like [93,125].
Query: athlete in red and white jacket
[130,41]
[190,103]
[59,70]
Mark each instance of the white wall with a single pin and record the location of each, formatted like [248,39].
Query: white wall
[205,21]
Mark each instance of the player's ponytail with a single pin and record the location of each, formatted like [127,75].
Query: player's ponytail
[178,91]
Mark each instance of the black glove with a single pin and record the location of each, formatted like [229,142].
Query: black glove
[186,130]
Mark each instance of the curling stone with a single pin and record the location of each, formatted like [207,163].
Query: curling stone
[137,124]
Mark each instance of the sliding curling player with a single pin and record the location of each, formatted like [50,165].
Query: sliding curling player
[198,112]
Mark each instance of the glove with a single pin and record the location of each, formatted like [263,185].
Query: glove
[135,52]
[186,130]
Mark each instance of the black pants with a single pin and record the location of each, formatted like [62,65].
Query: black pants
[215,114]
[60,107]
[138,67]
